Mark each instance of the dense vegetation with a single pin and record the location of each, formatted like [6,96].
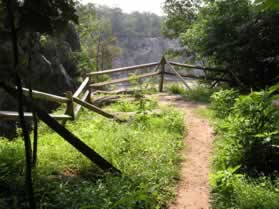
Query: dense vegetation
[245,162]
[145,150]
[237,36]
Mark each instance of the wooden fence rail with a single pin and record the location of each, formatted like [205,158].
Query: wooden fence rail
[117,70]
[45,96]
[82,96]
[121,80]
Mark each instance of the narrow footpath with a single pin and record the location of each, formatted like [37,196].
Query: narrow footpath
[193,189]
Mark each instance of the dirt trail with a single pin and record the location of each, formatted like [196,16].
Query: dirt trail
[193,189]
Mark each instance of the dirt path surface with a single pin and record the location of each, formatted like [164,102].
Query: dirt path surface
[193,188]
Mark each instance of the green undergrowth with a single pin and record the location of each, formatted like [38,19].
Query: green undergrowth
[245,162]
[146,150]
[200,93]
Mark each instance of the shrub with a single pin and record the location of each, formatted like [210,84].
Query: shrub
[201,93]
[223,101]
[176,89]
[246,160]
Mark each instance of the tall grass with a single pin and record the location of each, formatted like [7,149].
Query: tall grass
[200,93]
[145,150]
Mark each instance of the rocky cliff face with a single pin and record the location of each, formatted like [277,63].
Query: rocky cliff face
[140,50]
[53,70]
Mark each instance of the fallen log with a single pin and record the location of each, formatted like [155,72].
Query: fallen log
[104,101]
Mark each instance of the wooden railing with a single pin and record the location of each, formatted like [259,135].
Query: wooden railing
[70,99]
[82,97]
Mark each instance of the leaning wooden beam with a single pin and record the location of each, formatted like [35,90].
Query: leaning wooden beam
[124,79]
[10,115]
[63,132]
[179,76]
[199,77]
[45,96]
[84,98]
[81,87]
[124,69]
[198,67]
[96,109]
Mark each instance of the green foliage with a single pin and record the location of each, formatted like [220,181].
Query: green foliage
[247,193]
[146,151]
[268,4]
[200,93]
[222,102]
[245,160]
[176,89]
[180,15]
[99,45]
[236,36]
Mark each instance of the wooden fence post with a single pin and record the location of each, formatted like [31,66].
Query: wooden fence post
[70,105]
[89,100]
[162,73]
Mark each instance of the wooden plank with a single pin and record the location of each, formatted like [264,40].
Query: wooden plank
[70,105]
[124,69]
[198,67]
[64,133]
[81,87]
[84,98]
[198,77]
[10,115]
[179,76]
[45,96]
[124,79]
[96,109]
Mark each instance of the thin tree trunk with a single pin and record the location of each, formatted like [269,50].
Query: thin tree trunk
[26,137]
[34,116]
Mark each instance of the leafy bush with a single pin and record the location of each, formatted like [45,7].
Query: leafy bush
[200,93]
[176,89]
[238,191]
[246,159]
[222,102]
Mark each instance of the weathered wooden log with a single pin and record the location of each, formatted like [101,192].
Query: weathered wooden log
[70,105]
[84,98]
[198,67]
[156,112]
[10,115]
[199,77]
[96,109]
[135,67]
[45,96]
[104,101]
[64,133]
[82,87]
[116,92]
[179,76]
[123,79]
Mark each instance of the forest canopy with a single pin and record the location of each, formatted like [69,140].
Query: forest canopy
[240,36]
